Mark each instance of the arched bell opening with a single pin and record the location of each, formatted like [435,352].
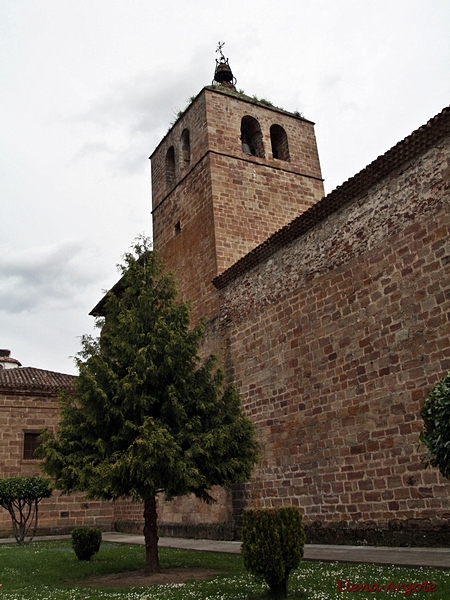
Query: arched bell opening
[279,141]
[170,168]
[251,137]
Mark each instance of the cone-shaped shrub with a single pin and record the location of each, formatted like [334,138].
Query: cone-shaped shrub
[272,545]
[436,432]
[86,542]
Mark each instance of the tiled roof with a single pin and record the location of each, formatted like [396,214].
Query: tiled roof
[29,378]
[117,289]
[98,310]
[408,149]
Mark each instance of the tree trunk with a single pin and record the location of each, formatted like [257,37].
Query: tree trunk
[24,517]
[151,537]
[279,589]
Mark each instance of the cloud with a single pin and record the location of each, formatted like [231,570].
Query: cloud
[131,117]
[46,276]
[92,148]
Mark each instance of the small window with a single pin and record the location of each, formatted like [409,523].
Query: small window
[251,137]
[177,228]
[170,168]
[186,147]
[279,141]
[30,445]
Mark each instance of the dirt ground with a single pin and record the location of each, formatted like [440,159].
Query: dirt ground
[138,579]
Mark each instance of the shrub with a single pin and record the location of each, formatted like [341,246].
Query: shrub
[20,496]
[436,432]
[272,545]
[86,542]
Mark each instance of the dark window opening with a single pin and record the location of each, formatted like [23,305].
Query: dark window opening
[30,445]
[251,137]
[177,228]
[279,141]
[170,168]
[186,147]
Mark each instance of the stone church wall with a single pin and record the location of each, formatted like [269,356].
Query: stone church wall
[334,341]
[185,516]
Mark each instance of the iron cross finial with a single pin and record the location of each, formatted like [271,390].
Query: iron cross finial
[220,45]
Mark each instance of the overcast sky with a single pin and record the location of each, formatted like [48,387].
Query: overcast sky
[89,87]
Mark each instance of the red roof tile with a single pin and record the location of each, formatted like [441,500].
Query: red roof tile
[30,378]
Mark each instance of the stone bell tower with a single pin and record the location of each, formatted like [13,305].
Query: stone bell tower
[230,172]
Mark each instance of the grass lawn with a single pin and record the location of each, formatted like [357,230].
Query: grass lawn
[51,571]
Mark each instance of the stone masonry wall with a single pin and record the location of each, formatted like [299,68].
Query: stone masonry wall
[31,412]
[190,253]
[185,516]
[334,342]
[251,203]
[195,121]
[255,196]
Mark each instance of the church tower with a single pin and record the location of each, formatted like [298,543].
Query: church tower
[230,172]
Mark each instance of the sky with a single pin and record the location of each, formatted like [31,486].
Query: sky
[89,87]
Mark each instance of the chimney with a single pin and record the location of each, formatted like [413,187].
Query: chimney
[6,362]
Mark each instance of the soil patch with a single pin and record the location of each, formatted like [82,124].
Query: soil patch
[139,579]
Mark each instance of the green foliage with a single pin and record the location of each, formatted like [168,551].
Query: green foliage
[149,416]
[20,496]
[86,542]
[272,545]
[179,113]
[262,101]
[436,432]
[27,489]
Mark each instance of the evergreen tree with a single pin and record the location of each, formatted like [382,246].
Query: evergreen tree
[436,431]
[148,416]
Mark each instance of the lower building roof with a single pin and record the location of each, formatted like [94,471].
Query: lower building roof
[30,378]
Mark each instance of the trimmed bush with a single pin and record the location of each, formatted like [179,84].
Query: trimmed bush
[86,542]
[272,545]
[436,432]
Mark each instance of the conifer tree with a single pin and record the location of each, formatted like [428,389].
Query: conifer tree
[435,413]
[149,416]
